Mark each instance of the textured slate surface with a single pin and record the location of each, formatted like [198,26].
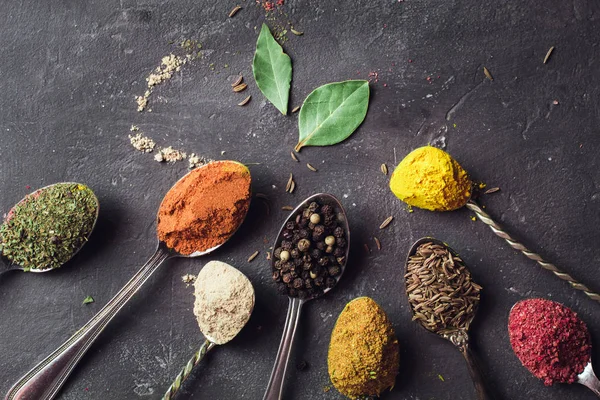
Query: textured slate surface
[69,73]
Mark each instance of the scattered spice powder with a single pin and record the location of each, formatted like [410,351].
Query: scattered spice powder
[549,340]
[142,143]
[205,207]
[363,358]
[169,154]
[169,65]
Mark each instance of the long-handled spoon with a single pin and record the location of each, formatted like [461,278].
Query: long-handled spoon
[587,377]
[10,266]
[457,336]
[45,380]
[242,312]
[275,387]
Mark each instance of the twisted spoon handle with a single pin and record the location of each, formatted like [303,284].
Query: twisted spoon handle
[45,379]
[483,216]
[187,370]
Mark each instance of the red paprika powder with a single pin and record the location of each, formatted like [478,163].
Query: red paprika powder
[205,207]
[550,340]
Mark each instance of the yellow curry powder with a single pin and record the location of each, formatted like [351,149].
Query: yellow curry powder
[430,178]
[363,352]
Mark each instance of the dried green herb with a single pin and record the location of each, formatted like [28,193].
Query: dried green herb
[272,70]
[88,300]
[49,226]
[332,112]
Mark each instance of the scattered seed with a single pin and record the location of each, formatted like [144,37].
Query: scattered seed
[295,109]
[292,187]
[387,221]
[294,157]
[253,256]
[297,33]
[488,74]
[548,54]
[245,101]
[491,190]
[384,169]
[378,243]
[287,208]
[240,88]
[234,11]
[289,183]
[237,81]
[311,167]
[268,255]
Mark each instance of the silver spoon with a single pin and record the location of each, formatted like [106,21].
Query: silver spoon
[275,387]
[459,337]
[587,377]
[45,379]
[207,346]
[10,266]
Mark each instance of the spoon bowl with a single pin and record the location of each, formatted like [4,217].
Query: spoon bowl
[44,381]
[275,386]
[12,266]
[459,337]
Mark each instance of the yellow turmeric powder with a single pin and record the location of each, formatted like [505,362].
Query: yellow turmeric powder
[363,352]
[430,178]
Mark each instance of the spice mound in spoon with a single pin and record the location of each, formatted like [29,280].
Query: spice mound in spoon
[205,207]
[440,290]
[430,178]
[224,301]
[549,340]
[364,352]
[47,227]
[312,252]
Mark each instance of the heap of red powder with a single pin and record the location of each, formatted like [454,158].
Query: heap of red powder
[550,340]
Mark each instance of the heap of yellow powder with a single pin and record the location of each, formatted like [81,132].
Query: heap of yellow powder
[430,178]
[363,352]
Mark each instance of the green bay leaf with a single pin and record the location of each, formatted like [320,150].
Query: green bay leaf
[272,70]
[332,112]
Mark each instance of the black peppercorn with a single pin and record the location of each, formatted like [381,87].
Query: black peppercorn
[298,218]
[334,270]
[321,246]
[286,266]
[295,253]
[307,266]
[298,262]
[338,252]
[327,209]
[323,261]
[305,275]
[286,278]
[287,234]
[341,242]
[316,253]
[290,225]
[292,292]
[306,213]
[293,273]
[308,283]
[286,245]
[319,281]
[304,233]
[277,264]
[330,282]
[303,223]
[277,252]
[329,220]
[306,258]
[298,283]
[314,206]
[338,232]
[341,260]
[276,276]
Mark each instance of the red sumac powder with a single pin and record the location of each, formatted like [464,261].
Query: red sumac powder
[205,207]
[549,339]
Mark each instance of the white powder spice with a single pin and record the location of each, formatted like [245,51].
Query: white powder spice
[224,301]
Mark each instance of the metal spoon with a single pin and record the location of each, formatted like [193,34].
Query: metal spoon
[459,337]
[275,387]
[587,377]
[45,379]
[207,346]
[10,266]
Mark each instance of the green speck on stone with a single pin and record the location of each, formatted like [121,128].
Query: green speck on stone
[441,378]
[88,300]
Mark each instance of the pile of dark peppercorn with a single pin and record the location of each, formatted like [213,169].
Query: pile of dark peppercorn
[312,253]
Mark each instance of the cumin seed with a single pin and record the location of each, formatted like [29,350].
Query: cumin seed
[387,221]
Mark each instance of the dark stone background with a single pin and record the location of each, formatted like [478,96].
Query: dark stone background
[69,73]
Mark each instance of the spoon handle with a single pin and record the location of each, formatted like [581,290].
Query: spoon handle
[483,216]
[588,378]
[45,379]
[275,387]
[475,372]
[187,370]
